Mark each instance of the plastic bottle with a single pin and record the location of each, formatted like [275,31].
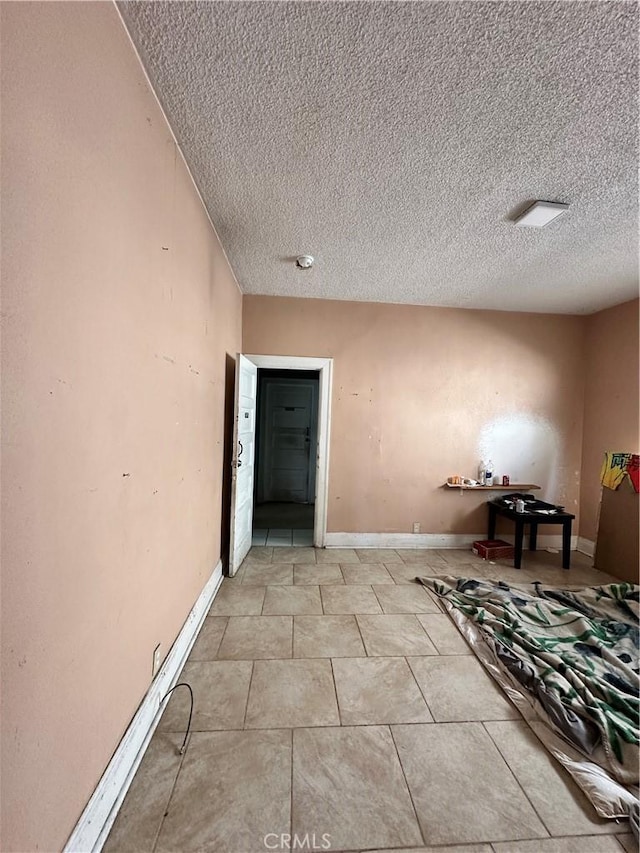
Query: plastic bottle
[482,470]
[488,474]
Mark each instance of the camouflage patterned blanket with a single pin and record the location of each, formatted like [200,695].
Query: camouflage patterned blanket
[575,652]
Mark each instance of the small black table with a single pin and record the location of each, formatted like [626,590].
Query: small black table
[496,507]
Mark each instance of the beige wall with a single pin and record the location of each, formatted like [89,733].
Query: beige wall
[419,393]
[119,310]
[611,400]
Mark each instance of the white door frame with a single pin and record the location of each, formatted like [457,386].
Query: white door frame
[324,366]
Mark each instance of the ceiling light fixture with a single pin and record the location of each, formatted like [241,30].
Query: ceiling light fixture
[304,262]
[541,213]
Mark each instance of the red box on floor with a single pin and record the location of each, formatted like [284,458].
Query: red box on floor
[492,549]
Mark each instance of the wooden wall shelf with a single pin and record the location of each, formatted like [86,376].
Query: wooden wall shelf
[512,487]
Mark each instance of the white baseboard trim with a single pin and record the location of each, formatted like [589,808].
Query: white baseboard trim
[401,540]
[586,546]
[431,540]
[96,820]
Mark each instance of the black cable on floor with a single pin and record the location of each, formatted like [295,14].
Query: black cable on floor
[183,748]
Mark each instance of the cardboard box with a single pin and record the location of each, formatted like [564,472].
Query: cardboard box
[492,549]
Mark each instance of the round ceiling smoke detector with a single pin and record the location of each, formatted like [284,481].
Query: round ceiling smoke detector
[304,262]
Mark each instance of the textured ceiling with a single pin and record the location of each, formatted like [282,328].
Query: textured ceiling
[395,141]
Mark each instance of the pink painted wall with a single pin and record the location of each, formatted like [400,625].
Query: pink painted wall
[419,392]
[119,311]
[611,400]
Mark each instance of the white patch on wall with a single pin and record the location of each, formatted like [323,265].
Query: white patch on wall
[526,447]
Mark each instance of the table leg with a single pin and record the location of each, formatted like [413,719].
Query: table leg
[492,522]
[533,537]
[566,544]
[519,536]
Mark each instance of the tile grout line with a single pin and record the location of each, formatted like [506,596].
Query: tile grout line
[324,612]
[293,622]
[492,844]
[390,573]
[429,637]
[219,646]
[380,605]
[512,772]
[406,657]
[362,639]
[291,790]
[335,691]
[246,704]
[358,725]
[406,782]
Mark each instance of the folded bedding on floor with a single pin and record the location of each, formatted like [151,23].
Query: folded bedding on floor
[573,655]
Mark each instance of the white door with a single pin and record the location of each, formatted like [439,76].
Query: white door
[288,423]
[244,433]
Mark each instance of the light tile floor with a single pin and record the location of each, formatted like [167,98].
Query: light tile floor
[335,701]
[281,537]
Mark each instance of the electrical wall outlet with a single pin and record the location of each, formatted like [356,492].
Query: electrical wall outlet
[156,660]
[416,527]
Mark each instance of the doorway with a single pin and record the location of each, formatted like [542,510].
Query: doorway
[290,492]
[286,452]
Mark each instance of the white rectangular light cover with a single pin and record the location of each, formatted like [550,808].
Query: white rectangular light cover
[541,213]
